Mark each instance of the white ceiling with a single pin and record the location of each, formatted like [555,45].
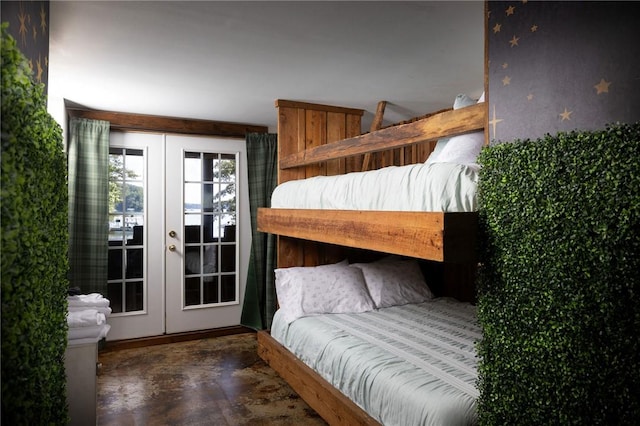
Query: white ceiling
[229,61]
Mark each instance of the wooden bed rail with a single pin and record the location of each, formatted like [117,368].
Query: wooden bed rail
[449,123]
[443,237]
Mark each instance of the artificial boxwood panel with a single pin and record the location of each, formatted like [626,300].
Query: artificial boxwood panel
[34,250]
[559,285]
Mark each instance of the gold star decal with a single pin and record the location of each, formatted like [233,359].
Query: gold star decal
[22,17]
[505,65]
[530,96]
[514,41]
[602,87]
[39,72]
[566,115]
[510,10]
[496,28]
[506,81]
[494,121]
[43,20]
[534,28]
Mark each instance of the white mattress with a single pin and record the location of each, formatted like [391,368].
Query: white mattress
[443,187]
[404,365]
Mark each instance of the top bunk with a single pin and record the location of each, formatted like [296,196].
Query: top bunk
[320,140]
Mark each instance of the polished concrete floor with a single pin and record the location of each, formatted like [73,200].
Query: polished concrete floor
[216,381]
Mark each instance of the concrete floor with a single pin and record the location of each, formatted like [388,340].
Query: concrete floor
[217,381]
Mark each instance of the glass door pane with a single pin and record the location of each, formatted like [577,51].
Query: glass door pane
[210,262]
[126,230]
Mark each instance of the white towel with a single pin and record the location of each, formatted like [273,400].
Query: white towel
[96,333]
[102,309]
[92,299]
[85,318]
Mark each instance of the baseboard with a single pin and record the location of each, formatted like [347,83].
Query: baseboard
[117,345]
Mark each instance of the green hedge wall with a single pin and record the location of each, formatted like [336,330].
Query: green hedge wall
[34,250]
[559,286]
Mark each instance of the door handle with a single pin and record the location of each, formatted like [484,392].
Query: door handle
[172,247]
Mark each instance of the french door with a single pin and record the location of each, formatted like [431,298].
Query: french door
[178,249]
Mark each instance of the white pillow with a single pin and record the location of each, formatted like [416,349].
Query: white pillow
[462,149]
[337,288]
[433,157]
[393,283]
[462,101]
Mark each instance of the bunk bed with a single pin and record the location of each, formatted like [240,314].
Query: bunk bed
[320,140]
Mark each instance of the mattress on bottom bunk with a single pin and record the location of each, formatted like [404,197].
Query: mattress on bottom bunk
[445,187]
[404,365]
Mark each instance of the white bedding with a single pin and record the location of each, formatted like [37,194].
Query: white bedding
[443,187]
[404,365]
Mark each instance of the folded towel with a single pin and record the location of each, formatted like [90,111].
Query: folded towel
[96,332]
[102,309]
[92,299]
[85,318]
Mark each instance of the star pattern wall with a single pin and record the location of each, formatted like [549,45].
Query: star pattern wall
[560,66]
[29,26]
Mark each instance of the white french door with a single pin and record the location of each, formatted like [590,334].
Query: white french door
[179,233]
[205,208]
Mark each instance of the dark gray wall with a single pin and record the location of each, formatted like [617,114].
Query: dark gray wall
[29,25]
[560,66]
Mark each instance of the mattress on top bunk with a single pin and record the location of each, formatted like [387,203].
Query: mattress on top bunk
[413,364]
[445,187]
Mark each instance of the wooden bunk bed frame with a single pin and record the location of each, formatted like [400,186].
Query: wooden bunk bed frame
[325,140]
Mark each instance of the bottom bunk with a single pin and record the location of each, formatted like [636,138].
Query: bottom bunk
[327,401]
[408,364]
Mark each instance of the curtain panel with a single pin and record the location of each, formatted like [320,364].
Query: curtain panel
[260,293]
[88,162]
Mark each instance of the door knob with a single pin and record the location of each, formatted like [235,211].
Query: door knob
[172,247]
[172,234]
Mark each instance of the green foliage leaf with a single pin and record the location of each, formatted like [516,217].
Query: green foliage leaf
[560,283]
[34,250]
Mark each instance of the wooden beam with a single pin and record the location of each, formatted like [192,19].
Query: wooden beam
[449,123]
[282,103]
[150,123]
[375,125]
[443,237]
[377,118]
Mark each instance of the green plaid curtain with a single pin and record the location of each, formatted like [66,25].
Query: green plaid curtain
[260,293]
[88,161]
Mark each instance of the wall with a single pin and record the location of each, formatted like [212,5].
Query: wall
[560,66]
[29,26]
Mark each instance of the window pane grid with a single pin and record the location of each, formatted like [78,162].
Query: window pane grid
[125,285]
[209,217]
